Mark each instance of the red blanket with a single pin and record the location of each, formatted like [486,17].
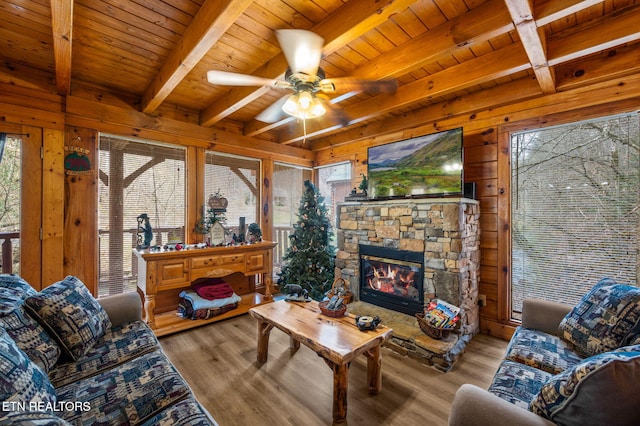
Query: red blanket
[213,289]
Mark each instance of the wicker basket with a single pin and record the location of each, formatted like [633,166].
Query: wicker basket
[332,313]
[429,330]
[340,286]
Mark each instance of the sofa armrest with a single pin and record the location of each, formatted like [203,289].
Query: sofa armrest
[543,315]
[122,308]
[475,406]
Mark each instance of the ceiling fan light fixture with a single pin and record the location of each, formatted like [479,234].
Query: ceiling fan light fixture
[304,105]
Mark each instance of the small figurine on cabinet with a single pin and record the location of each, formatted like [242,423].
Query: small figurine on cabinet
[254,234]
[145,233]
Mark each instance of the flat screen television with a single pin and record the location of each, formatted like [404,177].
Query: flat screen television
[425,166]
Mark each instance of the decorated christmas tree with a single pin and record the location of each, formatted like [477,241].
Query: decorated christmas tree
[310,258]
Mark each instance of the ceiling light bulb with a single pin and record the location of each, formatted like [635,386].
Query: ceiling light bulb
[318,109]
[291,105]
[305,100]
[303,105]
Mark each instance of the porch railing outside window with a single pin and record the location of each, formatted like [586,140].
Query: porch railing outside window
[129,264]
[10,252]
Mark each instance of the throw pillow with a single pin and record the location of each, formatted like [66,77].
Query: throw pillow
[31,338]
[21,380]
[602,389]
[13,291]
[606,318]
[72,314]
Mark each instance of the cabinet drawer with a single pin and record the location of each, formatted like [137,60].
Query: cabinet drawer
[173,274]
[257,262]
[211,261]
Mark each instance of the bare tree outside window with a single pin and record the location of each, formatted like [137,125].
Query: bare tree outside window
[10,175]
[575,208]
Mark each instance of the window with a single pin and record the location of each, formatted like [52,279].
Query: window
[288,185]
[10,180]
[575,208]
[238,180]
[136,177]
[334,184]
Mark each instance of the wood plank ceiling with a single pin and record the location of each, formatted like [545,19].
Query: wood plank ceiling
[458,56]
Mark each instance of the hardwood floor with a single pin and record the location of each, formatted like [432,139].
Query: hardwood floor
[219,363]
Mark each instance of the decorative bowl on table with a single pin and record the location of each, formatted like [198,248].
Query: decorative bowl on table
[333,313]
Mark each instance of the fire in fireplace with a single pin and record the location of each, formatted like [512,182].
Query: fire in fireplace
[392,278]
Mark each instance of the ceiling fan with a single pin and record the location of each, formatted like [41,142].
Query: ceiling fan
[303,51]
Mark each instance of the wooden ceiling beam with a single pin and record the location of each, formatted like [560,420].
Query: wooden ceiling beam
[212,20]
[130,122]
[605,66]
[532,40]
[548,11]
[468,29]
[478,101]
[571,76]
[476,26]
[340,28]
[594,70]
[595,36]
[62,26]
[525,114]
[497,64]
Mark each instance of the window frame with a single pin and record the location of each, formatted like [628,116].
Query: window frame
[503,294]
[185,222]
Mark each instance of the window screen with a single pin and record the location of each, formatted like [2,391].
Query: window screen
[238,180]
[334,184]
[574,208]
[136,177]
[288,185]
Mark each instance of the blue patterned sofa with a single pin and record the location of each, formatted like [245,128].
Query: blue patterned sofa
[67,358]
[564,365]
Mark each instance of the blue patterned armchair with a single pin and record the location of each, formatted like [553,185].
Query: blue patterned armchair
[564,365]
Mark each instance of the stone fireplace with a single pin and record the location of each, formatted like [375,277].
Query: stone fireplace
[433,243]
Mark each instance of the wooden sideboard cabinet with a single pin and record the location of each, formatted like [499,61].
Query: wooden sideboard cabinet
[168,272]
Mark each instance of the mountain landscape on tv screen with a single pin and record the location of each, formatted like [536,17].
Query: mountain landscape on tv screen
[428,165]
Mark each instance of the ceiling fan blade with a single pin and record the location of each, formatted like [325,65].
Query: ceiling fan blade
[350,84]
[334,113]
[273,113]
[234,79]
[303,50]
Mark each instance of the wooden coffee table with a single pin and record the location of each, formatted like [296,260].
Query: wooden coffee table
[337,340]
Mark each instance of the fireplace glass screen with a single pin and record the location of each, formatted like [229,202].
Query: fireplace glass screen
[391,283]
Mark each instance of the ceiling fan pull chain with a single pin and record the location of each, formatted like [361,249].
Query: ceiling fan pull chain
[304,130]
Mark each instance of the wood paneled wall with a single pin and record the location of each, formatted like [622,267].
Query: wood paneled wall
[81,211]
[487,162]
[60,204]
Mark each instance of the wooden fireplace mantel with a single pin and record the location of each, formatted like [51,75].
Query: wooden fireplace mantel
[166,271]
